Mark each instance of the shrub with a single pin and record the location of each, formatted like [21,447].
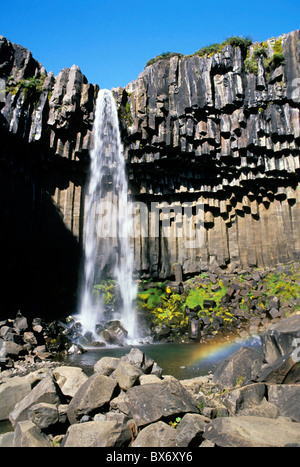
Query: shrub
[275,62]
[163,56]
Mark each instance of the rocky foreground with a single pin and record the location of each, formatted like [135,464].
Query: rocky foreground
[252,400]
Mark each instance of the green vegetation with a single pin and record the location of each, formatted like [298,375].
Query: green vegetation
[32,87]
[174,424]
[234,41]
[167,307]
[284,286]
[124,113]
[106,291]
[163,56]
[209,301]
[261,51]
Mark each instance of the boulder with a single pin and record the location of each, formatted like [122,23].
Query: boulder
[150,403]
[264,409]
[244,397]
[43,415]
[116,332]
[237,366]
[251,431]
[44,391]
[20,323]
[190,430]
[279,339]
[137,358]
[97,434]
[29,435]
[7,440]
[286,397]
[148,379]
[92,395]
[106,365]
[69,379]
[159,435]
[283,371]
[127,375]
[12,391]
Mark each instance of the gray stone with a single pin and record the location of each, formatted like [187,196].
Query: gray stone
[286,397]
[148,379]
[190,429]
[159,435]
[106,365]
[95,393]
[251,431]
[237,366]
[7,440]
[127,375]
[283,371]
[43,415]
[137,358]
[12,391]
[97,434]
[244,397]
[69,379]
[151,402]
[264,409]
[44,391]
[278,340]
[29,435]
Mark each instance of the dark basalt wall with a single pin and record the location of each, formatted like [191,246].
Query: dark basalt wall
[224,135]
[203,136]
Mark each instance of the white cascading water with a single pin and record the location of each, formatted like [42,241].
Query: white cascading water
[108,220]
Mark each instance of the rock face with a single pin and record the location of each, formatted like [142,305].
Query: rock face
[208,134]
[45,125]
[212,151]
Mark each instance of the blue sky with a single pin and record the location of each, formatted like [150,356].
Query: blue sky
[111,40]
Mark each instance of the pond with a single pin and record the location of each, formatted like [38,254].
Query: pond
[183,361]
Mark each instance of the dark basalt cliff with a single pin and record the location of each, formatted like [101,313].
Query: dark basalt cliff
[216,136]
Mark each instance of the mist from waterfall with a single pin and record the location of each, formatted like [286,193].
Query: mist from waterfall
[108,221]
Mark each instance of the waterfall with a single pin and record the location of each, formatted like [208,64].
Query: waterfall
[108,221]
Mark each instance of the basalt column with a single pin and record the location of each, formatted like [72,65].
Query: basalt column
[220,134]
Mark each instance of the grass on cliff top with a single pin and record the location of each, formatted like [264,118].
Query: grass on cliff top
[234,41]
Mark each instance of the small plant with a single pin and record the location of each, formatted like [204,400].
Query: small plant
[32,87]
[106,291]
[163,56]
[174,424]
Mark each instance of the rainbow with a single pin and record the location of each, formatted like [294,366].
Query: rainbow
[217,350]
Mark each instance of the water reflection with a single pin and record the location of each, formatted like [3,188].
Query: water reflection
[180,360]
